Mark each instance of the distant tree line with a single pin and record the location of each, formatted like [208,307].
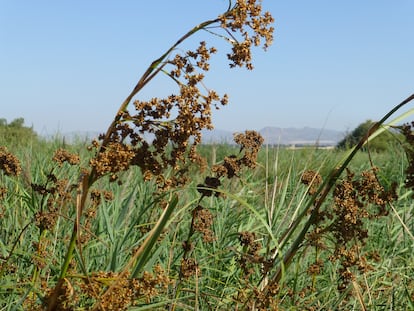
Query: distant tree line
[379,143]
[15,132]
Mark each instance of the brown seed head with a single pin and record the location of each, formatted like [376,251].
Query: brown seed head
[9,163]
[189,267]
[312,179]
[61,156]
[247,19]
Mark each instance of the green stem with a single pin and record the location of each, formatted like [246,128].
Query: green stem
[36,269]
[69,253]
[83,190]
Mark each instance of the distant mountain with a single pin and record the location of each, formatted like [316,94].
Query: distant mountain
[282,136]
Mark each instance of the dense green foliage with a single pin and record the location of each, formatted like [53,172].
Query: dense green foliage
[379,144]
[15,132]
[274,187]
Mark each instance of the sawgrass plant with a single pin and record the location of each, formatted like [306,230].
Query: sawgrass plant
[124,223]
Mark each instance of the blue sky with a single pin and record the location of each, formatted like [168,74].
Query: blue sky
[67,65]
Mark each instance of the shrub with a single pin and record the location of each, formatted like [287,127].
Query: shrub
[378,144]
[15,133]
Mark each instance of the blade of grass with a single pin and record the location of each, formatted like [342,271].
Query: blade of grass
[143,254]
[145,250]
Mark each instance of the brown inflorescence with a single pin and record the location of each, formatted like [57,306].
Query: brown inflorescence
[356,201]
[246,16]
[115,158]
[41,255]
[202,221]
[3,192]
[9,163]
[175,122]
[250,143]
[56,192]
[263,302]
[95,197]
[311,179]
[316,267]
[67,298]
[189,267]
[229,168]
[62,155]
[45,220]
[125,291]
[251,254]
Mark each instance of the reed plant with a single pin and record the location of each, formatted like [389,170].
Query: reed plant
[129,224]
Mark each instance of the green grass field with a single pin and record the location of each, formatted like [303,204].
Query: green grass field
[215,252]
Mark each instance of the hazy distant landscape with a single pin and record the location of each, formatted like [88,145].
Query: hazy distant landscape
[283,136]
[272,136]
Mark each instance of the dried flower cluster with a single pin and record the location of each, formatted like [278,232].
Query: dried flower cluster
[97,195]
[56,192]
[126,291]
[251,255]
[9,163]
[356,201]
[62,155]
[189,267]
[68,298]
[175,122]
[250,143]
[40,256]
[207,189]
[3,193]
[311,179]
[251,297]
[202,220]
[247,15]
[115,158]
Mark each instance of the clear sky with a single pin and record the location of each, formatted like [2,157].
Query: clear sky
[67,65]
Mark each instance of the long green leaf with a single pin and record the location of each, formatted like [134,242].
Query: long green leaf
[153,237]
